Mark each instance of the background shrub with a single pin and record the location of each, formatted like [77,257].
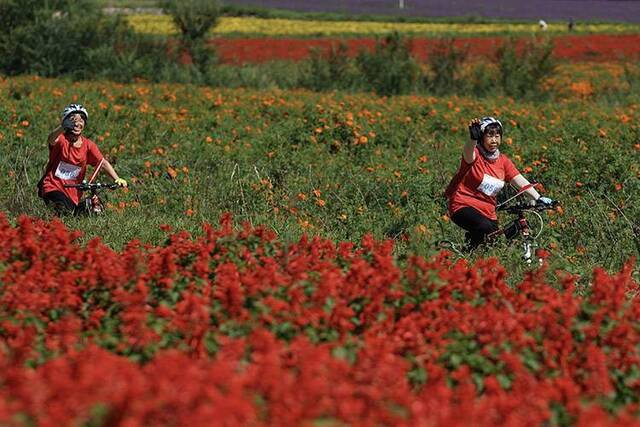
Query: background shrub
[51,38]
[524,66]
[54,38]
[332,69]
[389,69]
[445,63]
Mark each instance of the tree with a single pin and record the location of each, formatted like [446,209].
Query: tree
[194,19]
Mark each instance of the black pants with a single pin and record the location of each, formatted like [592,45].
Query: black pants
[477,225]
[61,203]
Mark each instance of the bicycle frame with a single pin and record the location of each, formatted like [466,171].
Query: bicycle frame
[520,227]
[92,203]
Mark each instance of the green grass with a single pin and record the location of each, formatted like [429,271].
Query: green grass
[263,165]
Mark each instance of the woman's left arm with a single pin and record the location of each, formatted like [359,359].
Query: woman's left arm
[521,182]
[110,170]
[112,173]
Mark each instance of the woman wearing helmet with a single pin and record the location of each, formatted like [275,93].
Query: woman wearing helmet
[482,174]
[69,154]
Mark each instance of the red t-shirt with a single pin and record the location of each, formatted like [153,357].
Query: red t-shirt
[68,164]
[477,184]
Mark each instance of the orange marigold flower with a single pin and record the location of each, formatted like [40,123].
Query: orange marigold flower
[583,89]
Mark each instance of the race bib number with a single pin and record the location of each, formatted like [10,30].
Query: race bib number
[490,186]
[67,171]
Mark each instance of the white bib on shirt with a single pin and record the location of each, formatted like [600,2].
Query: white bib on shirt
[67,171]
[490,185]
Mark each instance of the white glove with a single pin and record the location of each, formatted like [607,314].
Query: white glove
[545,201]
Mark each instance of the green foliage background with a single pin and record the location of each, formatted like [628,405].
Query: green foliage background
[340,163]
[269,151]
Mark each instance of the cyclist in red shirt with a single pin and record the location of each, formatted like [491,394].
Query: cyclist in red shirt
[69,154]
[483,172]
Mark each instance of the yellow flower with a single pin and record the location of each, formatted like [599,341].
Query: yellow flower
[227,25]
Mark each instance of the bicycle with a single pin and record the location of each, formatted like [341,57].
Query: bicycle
[520,226]
[92,204]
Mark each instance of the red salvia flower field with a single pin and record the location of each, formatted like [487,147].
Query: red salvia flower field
[237,327]
[597,47]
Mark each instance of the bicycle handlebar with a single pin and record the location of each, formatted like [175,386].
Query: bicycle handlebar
[86,186]
[521,207]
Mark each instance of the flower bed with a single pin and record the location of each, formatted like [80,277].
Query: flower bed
[238,327]
[599,47]
[278,27]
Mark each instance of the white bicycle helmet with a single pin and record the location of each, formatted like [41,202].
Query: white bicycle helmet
[486,121]
[75,108]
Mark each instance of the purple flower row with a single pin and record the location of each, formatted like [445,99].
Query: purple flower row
[549,10]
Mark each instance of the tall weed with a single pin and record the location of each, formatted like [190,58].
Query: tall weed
[445,62]
[523,66]
[389,69]
[631,77]
[332,69]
